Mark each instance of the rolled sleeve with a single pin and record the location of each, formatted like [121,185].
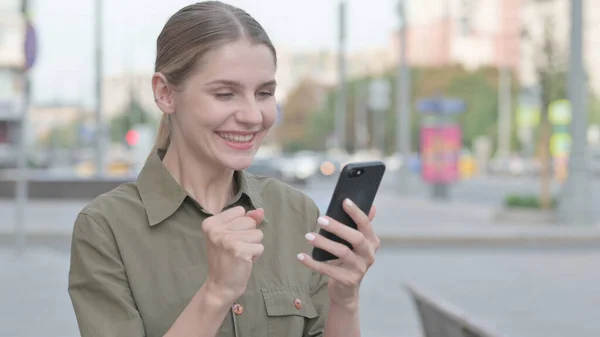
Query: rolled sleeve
[319,295]
[98,286]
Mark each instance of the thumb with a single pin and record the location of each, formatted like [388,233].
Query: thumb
[257,214]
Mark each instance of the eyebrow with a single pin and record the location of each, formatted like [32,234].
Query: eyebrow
[239,84]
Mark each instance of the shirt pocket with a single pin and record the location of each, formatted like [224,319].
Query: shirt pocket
[288,308]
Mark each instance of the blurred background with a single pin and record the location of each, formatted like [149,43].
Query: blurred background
[486,113]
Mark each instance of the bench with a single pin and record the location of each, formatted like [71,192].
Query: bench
[441,319]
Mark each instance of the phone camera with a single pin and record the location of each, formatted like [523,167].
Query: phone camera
[355,173]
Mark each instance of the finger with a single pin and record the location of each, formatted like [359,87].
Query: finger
[340,250]
[257,252]
[249,236]
[228,215]
[257,214]
[353,236]
[248,251]
[336,272]
[360,218]
[240,224]
[372,213]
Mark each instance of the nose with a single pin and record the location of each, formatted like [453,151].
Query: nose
[250,113]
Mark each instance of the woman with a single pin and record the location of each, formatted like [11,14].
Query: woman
[197,246]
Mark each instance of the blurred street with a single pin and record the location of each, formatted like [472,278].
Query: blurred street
[473,204]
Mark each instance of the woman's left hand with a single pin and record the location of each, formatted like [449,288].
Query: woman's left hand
[346,273]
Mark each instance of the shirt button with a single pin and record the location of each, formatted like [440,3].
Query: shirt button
[238,309]
[298,303]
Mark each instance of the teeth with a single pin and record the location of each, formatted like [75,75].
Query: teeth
[236,138]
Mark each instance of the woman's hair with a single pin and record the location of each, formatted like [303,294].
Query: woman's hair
[189,34]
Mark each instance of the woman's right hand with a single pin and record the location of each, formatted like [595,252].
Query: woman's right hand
[233,244]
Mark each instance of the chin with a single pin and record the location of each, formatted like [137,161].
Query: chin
[238,162]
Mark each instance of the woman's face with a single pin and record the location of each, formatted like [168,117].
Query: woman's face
[226,108]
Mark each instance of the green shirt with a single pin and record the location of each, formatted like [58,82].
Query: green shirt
[138,257]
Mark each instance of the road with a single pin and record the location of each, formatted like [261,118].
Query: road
[518,293]
[471,209]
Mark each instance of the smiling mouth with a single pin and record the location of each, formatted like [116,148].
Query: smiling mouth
[236,138]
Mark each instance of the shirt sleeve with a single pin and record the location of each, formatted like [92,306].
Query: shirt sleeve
[98,286]
[319,295]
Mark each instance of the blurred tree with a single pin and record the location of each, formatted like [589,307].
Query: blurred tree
[594,113]
[302,103]
[320,124]
[66,136]
[552,78]
[478,88]
[133,114]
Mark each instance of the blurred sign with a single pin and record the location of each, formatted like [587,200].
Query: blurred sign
[559,112]
[441,105]
[528,116]
[440,152]
[379,94]
[86,133]
[30,46]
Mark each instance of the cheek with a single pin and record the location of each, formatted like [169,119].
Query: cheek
[202,112]
[269,116]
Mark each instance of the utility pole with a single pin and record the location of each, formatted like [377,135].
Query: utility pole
[340,113]
[504,111]
[22,184]
[100,127]
[360,118]
[576,205]
[403,125]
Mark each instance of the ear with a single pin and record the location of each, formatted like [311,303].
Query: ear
[163,94]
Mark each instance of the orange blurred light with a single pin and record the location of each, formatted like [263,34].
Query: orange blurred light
[327,168]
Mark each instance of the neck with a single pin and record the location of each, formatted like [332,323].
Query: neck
[211,187]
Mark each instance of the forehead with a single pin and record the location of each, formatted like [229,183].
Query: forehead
[241,61]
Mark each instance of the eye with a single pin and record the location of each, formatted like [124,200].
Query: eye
[265,94]
[224,95]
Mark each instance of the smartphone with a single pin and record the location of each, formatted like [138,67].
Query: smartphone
[359,182]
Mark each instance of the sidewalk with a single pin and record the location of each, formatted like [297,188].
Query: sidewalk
[400,221]
[420,221]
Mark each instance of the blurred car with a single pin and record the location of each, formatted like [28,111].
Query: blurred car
[294,169]
[393,162]
[265,167]
[514,166]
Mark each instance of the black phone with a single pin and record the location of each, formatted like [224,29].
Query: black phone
[359,182]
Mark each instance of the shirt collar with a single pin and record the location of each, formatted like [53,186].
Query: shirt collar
[162,195]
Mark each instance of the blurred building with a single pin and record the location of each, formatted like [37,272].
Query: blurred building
[471,33]
[12,61]
[118,91]
[322,67]
[558,12]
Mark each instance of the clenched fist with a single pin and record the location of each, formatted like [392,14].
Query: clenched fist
[234,243]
